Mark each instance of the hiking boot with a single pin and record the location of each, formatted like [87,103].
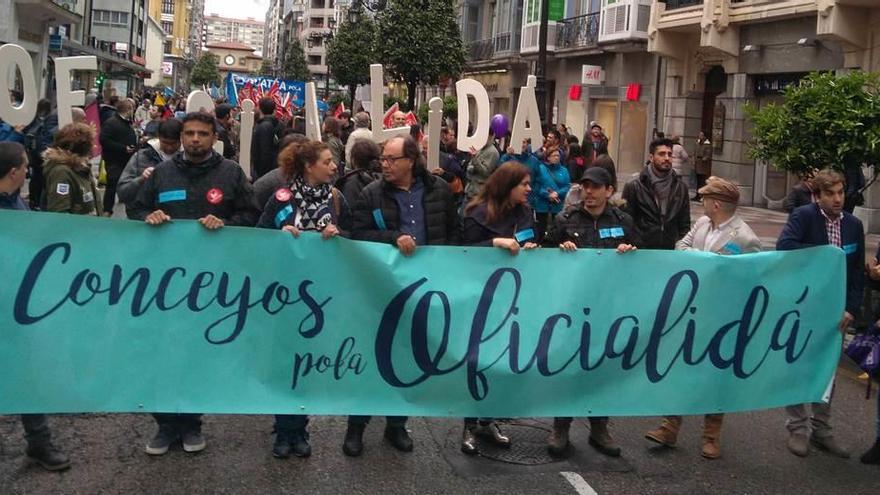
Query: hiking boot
[799,444]
[600,438]
[829,445]
[49,457]
[399,438]
[469,440]
[872,456]
[667,433]
[281,447]
[712,436]
[557,443]
[160,443]
[193,441]
[492,432]
[299,443]
[353,445]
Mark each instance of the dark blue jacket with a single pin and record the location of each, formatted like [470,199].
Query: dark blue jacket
[12,202]
[806,228]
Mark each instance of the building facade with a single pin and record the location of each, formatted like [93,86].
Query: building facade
[237,58]
[155,52]
[273,33]
[121,25]
[178,56]
[721,54]
[245,31]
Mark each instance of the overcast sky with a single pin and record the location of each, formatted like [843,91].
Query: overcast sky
[239,9]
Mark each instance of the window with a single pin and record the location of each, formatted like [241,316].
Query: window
[168,46]
[110,18]
[314,60]
[167,6]
[168,27]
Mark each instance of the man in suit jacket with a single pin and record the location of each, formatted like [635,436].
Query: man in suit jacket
[720,231]
[820,223]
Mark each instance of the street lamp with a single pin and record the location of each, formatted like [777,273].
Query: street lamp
[357,8]
[316,39]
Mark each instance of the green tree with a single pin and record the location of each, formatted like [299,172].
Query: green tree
[351,52]
[420,42]
[825,121]
[450,109]
[266,69]
[295,68]
[205,71]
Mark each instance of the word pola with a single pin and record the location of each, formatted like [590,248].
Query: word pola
[526,123]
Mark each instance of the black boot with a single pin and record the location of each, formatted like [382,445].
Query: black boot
[49,457]
[399,438]
[872,456]
[353,445]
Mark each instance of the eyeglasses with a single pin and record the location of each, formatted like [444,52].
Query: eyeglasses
[390,159]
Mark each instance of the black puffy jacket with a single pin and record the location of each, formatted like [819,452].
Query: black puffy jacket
[186,190]
[441,222]
[611,229]
[117,134]
[658,231]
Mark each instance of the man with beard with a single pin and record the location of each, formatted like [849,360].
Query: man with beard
[197,184]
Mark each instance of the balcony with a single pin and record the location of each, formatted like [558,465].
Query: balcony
[578,32]
[503,43]
[680,4]
[53,12]
[481,50]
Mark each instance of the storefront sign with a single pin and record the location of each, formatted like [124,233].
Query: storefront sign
[167,69]
[592,75]
[361,329]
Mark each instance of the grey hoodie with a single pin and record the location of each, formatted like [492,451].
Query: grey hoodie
[130,181]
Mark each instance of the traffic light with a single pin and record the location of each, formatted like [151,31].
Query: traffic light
[99,81]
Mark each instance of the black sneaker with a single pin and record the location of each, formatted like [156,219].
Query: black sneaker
[399,438]
[281,447]
[299,443]
[193,441]
[162,441]
[49,457]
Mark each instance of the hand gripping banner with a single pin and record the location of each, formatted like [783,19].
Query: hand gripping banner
[117,316]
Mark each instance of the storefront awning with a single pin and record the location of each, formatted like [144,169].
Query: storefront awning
[78,49]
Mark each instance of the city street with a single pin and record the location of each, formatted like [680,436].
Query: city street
[107,453]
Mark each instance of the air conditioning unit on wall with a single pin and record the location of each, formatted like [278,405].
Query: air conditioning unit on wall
[624,20]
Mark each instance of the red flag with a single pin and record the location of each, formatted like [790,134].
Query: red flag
[386,119]
[411,118]
[93,117]
[339,109]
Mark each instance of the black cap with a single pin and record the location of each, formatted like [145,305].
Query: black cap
[598,176]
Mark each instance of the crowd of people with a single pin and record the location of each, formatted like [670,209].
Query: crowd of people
[559,194]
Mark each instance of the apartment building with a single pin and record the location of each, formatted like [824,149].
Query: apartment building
[248,31]
[720,54]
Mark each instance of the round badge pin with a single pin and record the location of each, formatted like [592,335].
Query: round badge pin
[283,195]
[214,196]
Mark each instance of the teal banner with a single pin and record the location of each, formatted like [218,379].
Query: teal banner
[101,315]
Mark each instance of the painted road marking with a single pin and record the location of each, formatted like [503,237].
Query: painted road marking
[579,483]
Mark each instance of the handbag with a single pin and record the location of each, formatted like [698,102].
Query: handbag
[864,349]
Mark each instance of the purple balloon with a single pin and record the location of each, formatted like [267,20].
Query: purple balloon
[499,125]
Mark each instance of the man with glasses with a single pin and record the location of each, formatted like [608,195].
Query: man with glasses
[658,200]
[406,208]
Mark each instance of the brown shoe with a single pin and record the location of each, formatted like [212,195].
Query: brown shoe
[600,438]
[712,436]
[667,433]
[557,443]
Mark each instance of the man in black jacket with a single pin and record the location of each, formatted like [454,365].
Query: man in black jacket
[118,144]
[593,224]
[407,207]
[142,164]
[658,200]
[223,112]
[197,184]
[264,148]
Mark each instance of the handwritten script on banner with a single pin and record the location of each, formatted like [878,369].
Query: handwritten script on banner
[117,316]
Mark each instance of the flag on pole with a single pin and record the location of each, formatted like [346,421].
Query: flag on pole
[93,117]
[387,121]
[159,101]
[339,109]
